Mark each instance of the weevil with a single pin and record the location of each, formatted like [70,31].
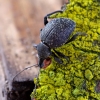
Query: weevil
[56,33]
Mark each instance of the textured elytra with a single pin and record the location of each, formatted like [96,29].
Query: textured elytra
[57,32]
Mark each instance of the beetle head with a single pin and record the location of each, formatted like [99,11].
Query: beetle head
[43,52]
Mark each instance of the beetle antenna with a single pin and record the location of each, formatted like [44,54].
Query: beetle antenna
[46,17]
[23,70]
[37,80]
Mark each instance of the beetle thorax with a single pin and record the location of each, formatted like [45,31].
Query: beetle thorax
[43,50]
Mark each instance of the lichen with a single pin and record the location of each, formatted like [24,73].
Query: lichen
[76,79]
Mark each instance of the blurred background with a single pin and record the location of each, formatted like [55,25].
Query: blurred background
[20,24]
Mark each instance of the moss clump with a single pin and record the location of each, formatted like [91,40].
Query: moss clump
[88,74]
[77,79]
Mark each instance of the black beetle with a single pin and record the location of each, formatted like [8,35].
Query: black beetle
[56,33]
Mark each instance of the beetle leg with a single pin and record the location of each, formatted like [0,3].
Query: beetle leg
[46,17]
[72,38]
[57,59]
[75,36]
[61,55]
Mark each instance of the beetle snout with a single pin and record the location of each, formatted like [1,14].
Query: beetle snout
[41,62]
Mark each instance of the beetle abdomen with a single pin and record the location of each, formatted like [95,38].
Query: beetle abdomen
[57,32]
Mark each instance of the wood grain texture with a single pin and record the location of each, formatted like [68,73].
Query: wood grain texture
[20,24]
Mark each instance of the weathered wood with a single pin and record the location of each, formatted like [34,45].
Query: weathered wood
[14,53]
[20,23]
[2,81]
[15,56]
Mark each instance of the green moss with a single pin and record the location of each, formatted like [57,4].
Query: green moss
[76,79]
[88,74]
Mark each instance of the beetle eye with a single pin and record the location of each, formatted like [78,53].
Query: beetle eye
[35,46]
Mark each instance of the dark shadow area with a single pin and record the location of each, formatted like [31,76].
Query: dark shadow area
[21,90]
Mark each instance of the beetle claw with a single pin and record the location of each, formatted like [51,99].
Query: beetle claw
[61,55]
[58,60]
